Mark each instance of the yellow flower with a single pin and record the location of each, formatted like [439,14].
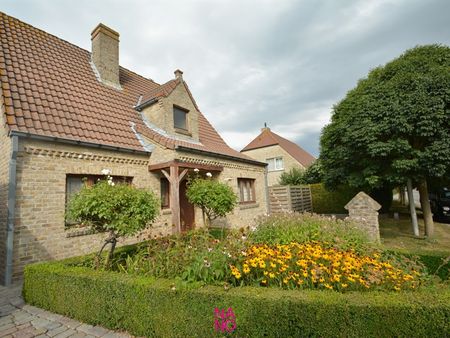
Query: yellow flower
[271,275]
[344,285]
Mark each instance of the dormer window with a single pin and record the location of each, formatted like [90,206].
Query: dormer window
[180,118]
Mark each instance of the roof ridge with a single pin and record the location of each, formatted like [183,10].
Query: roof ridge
[68,42]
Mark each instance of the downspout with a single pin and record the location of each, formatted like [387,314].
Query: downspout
[11,209]
[266,183]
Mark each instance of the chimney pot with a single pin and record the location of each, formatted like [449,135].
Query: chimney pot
[178,74]
[105,54]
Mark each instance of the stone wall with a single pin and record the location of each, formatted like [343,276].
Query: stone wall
[5,153]
[262,154]
[363,209]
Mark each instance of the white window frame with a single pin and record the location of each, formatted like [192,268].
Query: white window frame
[274,163]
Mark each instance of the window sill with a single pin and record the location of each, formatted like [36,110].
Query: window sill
[270,171]
[183,131]
[248,205]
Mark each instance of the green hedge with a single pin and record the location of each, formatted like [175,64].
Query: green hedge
[145,306]
[330,202]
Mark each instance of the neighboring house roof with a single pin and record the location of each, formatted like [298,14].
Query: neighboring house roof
[50,89]
[269,138]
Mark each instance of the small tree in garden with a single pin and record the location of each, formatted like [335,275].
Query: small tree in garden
[292,177]
[120,209]
[216,199]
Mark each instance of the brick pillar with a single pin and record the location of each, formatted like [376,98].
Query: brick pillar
[363,209]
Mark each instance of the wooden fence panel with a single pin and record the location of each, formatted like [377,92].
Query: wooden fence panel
[290,198]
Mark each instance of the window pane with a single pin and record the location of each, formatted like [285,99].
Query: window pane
[270,161]
[279,163]
[246,188]
[179,118]
[165,199]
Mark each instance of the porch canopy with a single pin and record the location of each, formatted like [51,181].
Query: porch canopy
[175,171]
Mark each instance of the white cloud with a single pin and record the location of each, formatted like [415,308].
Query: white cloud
[253,61]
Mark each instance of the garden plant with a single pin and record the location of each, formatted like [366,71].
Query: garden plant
[119,209]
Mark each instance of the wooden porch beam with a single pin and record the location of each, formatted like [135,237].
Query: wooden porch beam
[181,164]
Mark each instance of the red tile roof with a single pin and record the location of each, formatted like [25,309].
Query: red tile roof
[49,89]
[269,138]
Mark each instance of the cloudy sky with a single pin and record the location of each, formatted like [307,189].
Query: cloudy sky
[252,61]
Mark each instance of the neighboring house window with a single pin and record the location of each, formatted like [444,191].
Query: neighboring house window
[74,183]
[165,193]
[246,190]
[180,118]
[275,163]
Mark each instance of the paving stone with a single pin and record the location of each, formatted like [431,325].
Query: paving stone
[6,326]
[70,323]
[112,334]
[7,309]
[17,301]
[53,325]
[5,320]
[65,334]
[8,331]
[52,316]
[56,331]
[32,309]
[23,319]
[78,335]
[96,331]
[40,322]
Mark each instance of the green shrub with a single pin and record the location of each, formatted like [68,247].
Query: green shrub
[301,228]
[331,202]
[120,209]
[216,199]
[145,306]
[293,177]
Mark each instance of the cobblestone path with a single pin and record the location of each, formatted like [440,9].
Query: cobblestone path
[19,320]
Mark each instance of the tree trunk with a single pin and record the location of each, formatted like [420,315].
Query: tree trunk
[412,208]
[426,209]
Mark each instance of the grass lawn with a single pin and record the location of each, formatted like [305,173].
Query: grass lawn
[398,235]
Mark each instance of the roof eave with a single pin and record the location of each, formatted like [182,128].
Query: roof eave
[228,157]
[77,142]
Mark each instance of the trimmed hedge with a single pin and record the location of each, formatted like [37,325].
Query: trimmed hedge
[330,202]
[150,307]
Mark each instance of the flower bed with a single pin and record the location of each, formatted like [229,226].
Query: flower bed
[321,266]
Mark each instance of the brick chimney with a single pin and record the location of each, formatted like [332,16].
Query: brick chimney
[105,55]
[178,74]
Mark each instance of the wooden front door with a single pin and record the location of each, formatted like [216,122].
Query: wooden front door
[187,214]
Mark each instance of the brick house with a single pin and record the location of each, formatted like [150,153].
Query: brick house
[67,114]
[280,154]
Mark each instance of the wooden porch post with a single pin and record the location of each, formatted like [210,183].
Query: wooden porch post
[174,179]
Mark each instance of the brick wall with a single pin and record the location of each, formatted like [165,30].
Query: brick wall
[261,154]
[161,113]
[5,153]
[40,232]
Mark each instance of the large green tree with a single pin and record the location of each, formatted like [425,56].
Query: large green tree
[394,126]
